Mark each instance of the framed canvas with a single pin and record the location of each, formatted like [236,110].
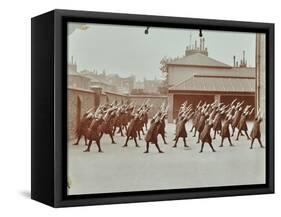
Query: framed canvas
[134,108]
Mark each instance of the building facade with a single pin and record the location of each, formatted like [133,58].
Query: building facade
[79,81]
[197,77]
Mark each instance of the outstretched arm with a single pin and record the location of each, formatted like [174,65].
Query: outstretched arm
[232,103]
[252,111]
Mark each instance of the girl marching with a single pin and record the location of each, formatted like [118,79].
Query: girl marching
[242,125]
[205,136]
[256,132]
[225,130]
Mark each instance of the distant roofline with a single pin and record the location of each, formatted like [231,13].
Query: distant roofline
[247,67]
[222,65]
[79,75]
[199,66]
[117,94]
[172,88]
[223,76]
[207,92]
[205,66]
[79,89]
[148,96]
[91,79]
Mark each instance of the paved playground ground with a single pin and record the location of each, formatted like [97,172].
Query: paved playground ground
[120,169]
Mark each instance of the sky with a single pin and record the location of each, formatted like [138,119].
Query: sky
[126,50]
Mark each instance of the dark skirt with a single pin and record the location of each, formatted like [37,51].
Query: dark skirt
[201,124]
[132,131]
[83,126]
[256,132]
[225,130]
[236,119]
[161,129]
[205,134]
[106,127]
[217,123]
[196,119]
[152,133]
[242,125]
[94,133]
[180,129]
[116,121]
[145,118]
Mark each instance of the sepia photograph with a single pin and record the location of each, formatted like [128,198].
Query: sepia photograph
[154,108]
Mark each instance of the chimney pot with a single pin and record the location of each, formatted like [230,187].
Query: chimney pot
[203,44]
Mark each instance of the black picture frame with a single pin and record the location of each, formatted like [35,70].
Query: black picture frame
[49,101]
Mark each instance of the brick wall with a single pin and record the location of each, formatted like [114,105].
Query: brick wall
[155,100]
[88,99]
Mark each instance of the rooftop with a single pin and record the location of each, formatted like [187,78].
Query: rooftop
[216,83]
[198,60]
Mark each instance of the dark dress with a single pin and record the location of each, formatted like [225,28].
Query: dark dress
[180,129]
[152,133]
[123,118]
[242,125]
[161,129]
[236,118]
[225,129]
[107,125]
[217,121]
[201,123]
[205,134]
[145,118]
[256,132]
[127,117]
[93,132]
[132,129]
[196,118]
[83,126]
[116,121]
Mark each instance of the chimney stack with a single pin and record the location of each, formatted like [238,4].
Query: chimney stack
[234,62]
[243,57]
[71,59]
[195,44]
[203,43]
